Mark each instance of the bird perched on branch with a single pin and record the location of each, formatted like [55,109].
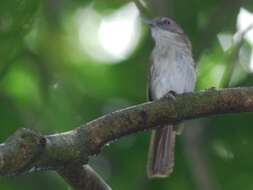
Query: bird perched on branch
[171,71]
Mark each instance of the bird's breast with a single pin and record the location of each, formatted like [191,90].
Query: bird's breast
[171,71]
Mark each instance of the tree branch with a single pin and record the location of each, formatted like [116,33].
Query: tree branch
[27,151]
[83,177]
[148,115]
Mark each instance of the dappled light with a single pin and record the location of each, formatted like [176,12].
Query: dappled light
[245,20]
[109,38]
[65,63]
[226,41]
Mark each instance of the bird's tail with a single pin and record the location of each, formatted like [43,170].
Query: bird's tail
[161,152]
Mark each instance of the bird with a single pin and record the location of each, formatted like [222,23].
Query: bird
[172,71]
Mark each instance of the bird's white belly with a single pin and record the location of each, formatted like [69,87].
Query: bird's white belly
[178,76]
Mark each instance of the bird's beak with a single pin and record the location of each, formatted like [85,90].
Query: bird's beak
[150,22]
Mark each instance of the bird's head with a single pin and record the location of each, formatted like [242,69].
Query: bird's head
[164,29]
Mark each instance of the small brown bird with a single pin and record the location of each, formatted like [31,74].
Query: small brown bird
[172,69]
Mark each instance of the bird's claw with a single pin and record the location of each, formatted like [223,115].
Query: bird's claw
[171,95]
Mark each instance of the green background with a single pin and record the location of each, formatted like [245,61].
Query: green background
[47,83]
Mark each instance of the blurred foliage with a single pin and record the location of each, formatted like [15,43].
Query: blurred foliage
[50,83]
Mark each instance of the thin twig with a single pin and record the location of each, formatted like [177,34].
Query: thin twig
[143,7]
[232,58]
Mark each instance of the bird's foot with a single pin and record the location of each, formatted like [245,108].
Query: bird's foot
[171,95]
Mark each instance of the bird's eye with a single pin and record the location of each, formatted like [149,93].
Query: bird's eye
[166,22]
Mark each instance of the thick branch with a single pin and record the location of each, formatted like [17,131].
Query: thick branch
[149,115]
[27,151]
[83,177]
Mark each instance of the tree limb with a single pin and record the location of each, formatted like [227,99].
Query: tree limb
[27,151]
[83,177]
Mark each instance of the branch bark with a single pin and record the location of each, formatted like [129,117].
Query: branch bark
[27,151]
[83,177]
